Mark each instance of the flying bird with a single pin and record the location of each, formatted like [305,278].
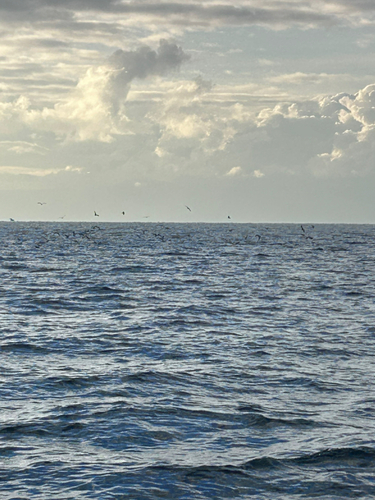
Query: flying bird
[62,217]
[123,213]
[10,218]
[95,214]
[303,229]
[188,208]
[229,216]
[42,203]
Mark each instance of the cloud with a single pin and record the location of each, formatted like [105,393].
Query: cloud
[191,125]
[300,78]
[330,136]
[84,14]
[145,61]
[142,63]
[94,109]
[186,13]
[21,147]
[234,171]
[41,172]
[186,129]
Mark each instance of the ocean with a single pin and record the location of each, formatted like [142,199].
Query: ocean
[187,361]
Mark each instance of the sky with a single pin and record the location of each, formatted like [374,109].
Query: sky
[263,110]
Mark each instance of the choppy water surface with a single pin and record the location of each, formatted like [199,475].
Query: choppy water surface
[187,361]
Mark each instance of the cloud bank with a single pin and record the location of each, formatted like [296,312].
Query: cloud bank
[332,136]
[190,13]
[185,131]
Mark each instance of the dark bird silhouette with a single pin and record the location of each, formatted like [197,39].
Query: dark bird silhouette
[42,203]
[62,217]
[95,214]
[302,228]
[229,216]
[123,213]
[12,220]
[188,208]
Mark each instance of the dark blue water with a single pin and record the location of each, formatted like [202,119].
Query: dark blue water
[187,361]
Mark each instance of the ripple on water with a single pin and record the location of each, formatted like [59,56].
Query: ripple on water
[186,361]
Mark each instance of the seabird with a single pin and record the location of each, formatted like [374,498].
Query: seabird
[62,217]
[302,228]
[188,208]
[95,214]
[10,218]
[123,213]
[228,216]
[42,203]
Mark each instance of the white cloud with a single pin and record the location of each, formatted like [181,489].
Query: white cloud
[22,147]
[94,110]
[329,136]
[192,127]
[185,129]
[234,171]
[42,172]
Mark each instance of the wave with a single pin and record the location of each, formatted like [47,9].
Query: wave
[363,458]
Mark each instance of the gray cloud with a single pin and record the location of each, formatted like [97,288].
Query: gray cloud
[173,12]
[357,6]
[282,13]
[142,63]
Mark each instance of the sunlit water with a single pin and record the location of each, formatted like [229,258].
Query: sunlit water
[187,361]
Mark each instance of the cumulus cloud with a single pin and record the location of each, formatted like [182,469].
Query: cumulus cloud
[142,63]
[327,136]
[94,109]
[191,126]
[186,130]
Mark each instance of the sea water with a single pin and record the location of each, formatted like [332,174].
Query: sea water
[187,361]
